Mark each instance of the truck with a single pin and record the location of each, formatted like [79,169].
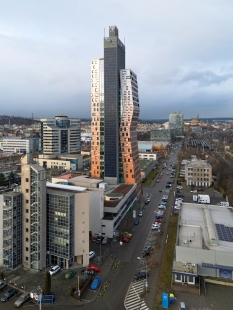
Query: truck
[203,198]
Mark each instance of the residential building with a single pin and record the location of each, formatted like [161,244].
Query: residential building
[198,173]
[115,111]
[60,135]
[204,246]
[11,229]
[176,124]
[33,187]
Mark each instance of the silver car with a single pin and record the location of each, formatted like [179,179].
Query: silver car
[22,299]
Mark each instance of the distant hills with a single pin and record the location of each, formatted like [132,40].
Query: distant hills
[17,120]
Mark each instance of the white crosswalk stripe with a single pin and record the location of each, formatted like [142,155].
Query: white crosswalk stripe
[132,299]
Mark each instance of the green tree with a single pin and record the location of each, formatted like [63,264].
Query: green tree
[47,283]
[11,177]
[2,178]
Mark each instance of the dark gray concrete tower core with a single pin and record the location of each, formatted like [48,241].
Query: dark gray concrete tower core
[114,60]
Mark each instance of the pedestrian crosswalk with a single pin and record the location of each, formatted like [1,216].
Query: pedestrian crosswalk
[133,301]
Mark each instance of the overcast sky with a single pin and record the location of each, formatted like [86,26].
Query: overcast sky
[181,51]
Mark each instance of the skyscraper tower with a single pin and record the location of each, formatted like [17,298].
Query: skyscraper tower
[115,111]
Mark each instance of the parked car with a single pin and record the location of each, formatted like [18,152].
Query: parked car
[157,221]
[140,213]
[127,233]
[99,239]
[149,248]
[94,268]
[125,236]
[145,253]
[193,191]
[91,254]
[136,222]
[105,240]
[70,274]
[124,239]
[141,275]
[182,306]
[88,272]
[155,226]
[2,285]
[95,284]
[22,299]
[54,270]
[158,216]
[12,292]
[162,207]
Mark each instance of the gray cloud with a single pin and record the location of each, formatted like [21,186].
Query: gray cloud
[176,48]
[205,78]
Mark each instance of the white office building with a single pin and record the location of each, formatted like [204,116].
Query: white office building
[60,135]
[17,145]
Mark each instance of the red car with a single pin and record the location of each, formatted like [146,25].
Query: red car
[125,236]
[124,239]
[94,268]
[158,221]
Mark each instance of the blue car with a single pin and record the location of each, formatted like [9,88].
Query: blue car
[136,222]
[95,284]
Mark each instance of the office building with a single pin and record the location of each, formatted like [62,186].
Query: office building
[198,173]
[115,111]
[17,145]
[160,135]
[176,123]
[60,135]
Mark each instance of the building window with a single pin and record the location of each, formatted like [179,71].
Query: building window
[27,239]
[26,258]
[27,210]
[27,190]
[27,180]
[27,201]
[178,278]
[26,220]
[26,229]
[27,249]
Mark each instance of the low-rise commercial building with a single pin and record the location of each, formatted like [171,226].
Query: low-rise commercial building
[204,246]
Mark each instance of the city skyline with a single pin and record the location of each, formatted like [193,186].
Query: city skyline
[181,52]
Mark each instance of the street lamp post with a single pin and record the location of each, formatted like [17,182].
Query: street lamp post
[146,284]
[40,295]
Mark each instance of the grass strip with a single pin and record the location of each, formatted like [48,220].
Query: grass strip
[165,276]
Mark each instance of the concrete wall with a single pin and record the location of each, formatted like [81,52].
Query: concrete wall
[81,228]
[199,256]
[96,204]
[1,230]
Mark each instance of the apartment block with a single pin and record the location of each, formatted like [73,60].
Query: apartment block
[198,173]
[11,230]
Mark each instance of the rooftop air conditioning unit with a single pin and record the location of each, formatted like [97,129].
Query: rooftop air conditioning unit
[184,264]
[193,265]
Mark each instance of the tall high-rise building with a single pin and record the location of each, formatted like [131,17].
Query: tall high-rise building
[33,187]
[60,135]
[115,112]
[176,124]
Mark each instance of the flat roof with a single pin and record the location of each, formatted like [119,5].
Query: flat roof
[66,187]
[120,189]
[198,226]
